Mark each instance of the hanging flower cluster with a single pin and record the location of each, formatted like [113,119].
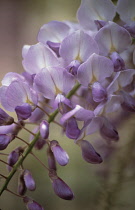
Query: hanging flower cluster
[83,72]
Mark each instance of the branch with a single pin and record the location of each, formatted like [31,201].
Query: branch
[31,145]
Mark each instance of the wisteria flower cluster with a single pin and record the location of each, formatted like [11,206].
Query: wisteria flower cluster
[82,71]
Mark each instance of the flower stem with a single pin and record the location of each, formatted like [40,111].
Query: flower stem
[31,145]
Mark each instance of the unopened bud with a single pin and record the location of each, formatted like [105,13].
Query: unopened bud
[23,112]
[72,130]
[4,141]
[108,131]
[31,204]
[60,155]
[21,184]
[29,181]
[51,160]
[88,152]
[98,92]
[13,157]
[118,62]
[5,119]
[44,129]
[61,189]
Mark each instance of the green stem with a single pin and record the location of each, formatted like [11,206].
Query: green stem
[31,145]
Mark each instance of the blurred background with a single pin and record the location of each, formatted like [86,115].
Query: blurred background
[94,186]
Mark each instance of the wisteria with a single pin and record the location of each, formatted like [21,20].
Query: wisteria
[82,71]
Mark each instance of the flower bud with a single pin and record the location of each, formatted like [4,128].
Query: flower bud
[108,131]
[40,144]
[60,188]
[31,204]
[23,112]
[21,184]
[4,141]
[44,129]
[51,160]
[5,119]
[72,130]
[98,92]
[118,62]
[29,181]
[73,67]
[60,155]
[13,157]
[88,152]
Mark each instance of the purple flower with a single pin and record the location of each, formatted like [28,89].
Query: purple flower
[118,62]
[44,129]
[99,93]
[51,160]
[60,155]
[52,81]
[91,10]
[60,188]
[28,180]
[31,204]
[14,156]
[97,68]
[5,119]
[77,46]
[21,184]
[37,57]
[112,38]
[4,141]
[108,131]
[17,94]
[24,111]
[88,152]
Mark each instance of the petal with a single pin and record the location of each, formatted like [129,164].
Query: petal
[44,84]
[53,31]
[126,77]
[79,112]
[38,57]
[91,10]
[126,10]
[78,46]
[10,77]
[111,38]
[16,94]
[94,125]
[113,104]
[96,68]
[62,79]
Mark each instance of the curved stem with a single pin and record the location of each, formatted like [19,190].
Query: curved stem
[31,145]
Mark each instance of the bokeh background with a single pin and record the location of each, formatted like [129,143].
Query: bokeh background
[95,186]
